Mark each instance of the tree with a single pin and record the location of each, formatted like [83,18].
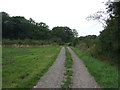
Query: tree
[18,27]
[32,21]
[43,25]
[110,36]
[65,33]
[75,33]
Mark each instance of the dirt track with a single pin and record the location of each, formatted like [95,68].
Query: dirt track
[54,77]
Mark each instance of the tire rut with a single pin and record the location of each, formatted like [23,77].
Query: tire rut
[54,76]
[81,76]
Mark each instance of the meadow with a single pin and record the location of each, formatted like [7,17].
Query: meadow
[23,67]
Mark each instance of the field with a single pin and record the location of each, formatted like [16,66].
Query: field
[105,74]
[23,67]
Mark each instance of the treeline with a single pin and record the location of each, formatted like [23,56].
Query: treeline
[19,28]
[105,46]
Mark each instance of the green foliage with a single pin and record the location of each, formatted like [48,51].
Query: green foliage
[87,42]
[67,83]
[23,67]
[69,61]
[106,45]
[75,41]
[110,36]
[75,33]
[105,74]
[69,72]
[26,42]
[19,28]
[64,33]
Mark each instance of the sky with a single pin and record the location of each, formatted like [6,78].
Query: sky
[71,13]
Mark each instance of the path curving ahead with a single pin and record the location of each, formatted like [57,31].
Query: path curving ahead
[54,77]
[81,76]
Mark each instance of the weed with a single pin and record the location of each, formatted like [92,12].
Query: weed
[67,82]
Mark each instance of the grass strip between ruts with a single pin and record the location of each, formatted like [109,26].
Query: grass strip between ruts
[67,82]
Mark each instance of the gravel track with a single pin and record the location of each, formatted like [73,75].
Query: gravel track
[54,77]
[81,76]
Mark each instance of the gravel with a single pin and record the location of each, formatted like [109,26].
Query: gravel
[54,77]
[81,76]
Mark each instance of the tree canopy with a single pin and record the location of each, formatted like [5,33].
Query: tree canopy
[18,27]
[107,42]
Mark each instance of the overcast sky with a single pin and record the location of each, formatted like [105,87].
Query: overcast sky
[71,13]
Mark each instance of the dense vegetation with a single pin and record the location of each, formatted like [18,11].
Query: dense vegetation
[105,46]
[23,67]
[17,27]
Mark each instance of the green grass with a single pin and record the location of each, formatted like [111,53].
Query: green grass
[69,61]
[23,67]
[69,72]
[105,74]
[67,83]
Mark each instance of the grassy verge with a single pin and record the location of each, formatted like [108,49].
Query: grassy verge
[105,74]
[67,83]
[23,67]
